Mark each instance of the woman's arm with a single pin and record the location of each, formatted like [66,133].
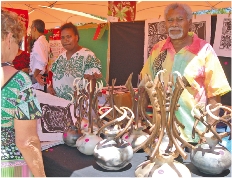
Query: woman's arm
[27,141]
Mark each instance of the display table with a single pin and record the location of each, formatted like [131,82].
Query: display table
[65,161]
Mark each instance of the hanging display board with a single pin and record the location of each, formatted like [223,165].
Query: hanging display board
[222,40]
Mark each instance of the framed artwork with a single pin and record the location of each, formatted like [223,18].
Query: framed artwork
[222,40]
[56,113]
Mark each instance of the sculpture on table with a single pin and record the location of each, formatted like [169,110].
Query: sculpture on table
[114,153]
[164,102]
[83,112]
[135,135]
[70,135]
[208,156]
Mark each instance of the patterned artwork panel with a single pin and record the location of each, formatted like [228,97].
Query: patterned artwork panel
[225,42]
[222,41]
[200,29]
[56,114]
[55,118]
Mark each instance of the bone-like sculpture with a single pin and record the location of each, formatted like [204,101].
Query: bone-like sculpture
[208,156]
[165,103]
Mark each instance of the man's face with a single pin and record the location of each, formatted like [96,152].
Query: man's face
[177,23]
[68,39]
[32,31]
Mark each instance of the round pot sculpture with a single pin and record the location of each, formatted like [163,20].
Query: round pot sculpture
[136,138]
[70,135]
[86,143]
[164,133]
[84,102]
[162,166]
[114,153]
[210,157]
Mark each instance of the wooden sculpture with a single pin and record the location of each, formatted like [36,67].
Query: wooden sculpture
[83,104]
[114,153]
[161,163]
[208,156]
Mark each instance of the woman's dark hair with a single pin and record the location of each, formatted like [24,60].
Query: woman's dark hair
[39,25]
[73,27]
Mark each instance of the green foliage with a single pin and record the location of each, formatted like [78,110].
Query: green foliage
[215,11]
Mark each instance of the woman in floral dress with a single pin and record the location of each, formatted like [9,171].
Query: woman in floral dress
[20,145]
[75,62]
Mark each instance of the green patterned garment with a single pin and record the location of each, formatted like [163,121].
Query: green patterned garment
[83,62]
[18,101]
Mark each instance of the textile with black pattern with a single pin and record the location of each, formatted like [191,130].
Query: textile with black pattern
[157,64]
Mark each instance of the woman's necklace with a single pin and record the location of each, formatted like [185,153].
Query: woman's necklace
[6,64]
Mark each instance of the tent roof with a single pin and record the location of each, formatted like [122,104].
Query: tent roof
[144,9]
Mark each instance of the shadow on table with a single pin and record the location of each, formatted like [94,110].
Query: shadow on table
[97,167]
[196,173]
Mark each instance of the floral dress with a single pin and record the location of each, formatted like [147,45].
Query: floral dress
[18,101]
[83,64]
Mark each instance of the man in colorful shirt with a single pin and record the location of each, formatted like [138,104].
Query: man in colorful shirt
[194,59]
[75,62]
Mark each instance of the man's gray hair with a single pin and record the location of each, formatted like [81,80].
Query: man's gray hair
[186,7]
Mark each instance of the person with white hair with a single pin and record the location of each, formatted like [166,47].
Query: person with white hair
[194,59]
[20,145]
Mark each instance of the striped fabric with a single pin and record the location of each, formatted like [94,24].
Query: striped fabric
[15,168]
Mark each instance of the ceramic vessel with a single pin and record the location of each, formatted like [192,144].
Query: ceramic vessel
[86,143]
[136,138]
[162,166]
[113,154]
[70,135]
[210,157]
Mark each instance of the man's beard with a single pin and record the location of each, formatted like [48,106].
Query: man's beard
[176,36]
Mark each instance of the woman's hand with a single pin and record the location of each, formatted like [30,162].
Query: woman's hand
[40,79]
[51,90]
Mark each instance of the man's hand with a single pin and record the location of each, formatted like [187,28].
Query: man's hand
[40,79]
[51,90]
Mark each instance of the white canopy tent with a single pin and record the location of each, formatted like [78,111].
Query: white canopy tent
[49,11]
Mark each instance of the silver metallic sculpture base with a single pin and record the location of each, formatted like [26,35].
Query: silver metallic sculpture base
[113,155]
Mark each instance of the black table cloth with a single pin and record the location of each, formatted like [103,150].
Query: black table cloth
[65,161]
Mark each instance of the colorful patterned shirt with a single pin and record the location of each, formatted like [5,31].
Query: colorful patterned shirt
[18,101]
[83,64]
[199,64]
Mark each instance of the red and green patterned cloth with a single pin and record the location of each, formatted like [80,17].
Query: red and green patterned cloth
[123,10]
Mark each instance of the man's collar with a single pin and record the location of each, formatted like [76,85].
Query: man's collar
[193,48]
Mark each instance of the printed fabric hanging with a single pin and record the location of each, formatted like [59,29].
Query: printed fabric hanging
[123,10]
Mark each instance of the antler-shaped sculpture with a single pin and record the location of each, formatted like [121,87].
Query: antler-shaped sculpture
[114,153]
[110,100]
[135,135]
[164,103]
[226,118]
[207,156]
[86,103]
